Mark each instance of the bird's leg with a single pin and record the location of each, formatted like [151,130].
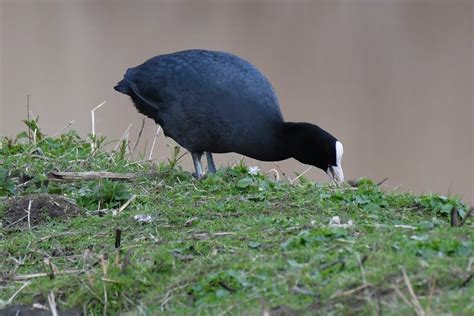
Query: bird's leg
[211,166]
[197,164]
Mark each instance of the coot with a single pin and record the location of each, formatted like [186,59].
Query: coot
[216,102]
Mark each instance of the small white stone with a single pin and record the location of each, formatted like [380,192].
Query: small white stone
[143,218]
[336,222]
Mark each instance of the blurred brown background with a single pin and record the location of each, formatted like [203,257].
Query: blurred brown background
[392,79]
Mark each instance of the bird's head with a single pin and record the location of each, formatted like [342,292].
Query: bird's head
[314,146]
[334,167]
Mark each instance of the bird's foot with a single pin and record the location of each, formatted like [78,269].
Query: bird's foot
[211,169]
[198,176]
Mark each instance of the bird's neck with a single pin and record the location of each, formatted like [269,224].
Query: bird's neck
[303,141]
[291,140]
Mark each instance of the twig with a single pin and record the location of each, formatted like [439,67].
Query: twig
[56,235]
[28,115]
[300,175]
[350,292]
[104,264]
[282,172]
[414,299]
[382,182]
[111,281]
[18,220]
[28,212]
[168,297]
[125,135]
[362,272]
[221,234]
[126,261]
[52,269]
[199,190]
[404,298]
[52,304]
[62,129]
[126,204]
[17,292]
[138,162]
[93,116]
[277,175]
[430,297]
[139,135]
[153,144]
[44,274]
[203,236]
[93,124]
[23,184]
[106,301]
[90,175]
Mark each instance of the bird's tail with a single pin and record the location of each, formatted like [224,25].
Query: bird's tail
[123,86]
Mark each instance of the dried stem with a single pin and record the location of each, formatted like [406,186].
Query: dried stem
[277,175]
[126,204]
[28,115]
[63,129]
[106,301]
[44,274]
[52,304]
[93,116]
[124,136]
[139,135]
[28,214]
[362,272]
[300,175]
[414,299]
[154,141]
[17,292]
[93,122]
[382,181]
[86,175]
[282,172]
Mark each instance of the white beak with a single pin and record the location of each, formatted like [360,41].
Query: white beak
[336,174]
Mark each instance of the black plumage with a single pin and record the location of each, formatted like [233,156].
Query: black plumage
[216,102]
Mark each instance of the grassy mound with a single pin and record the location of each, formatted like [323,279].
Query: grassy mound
[234,242]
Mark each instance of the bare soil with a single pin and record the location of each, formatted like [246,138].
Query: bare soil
[38,208]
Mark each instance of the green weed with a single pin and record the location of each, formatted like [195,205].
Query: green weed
[235,242]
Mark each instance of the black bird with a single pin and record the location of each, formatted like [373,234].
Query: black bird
[216,102]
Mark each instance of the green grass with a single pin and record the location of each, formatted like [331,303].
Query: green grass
[231,243]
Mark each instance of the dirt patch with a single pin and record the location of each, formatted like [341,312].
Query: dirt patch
[39,208]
